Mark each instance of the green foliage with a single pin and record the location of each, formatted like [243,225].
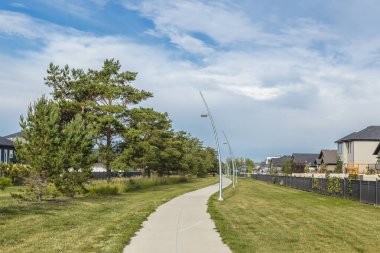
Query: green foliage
[147,142]
[316,185]
[77,154]
[16,172]
[334,185]
[339,165]
[245,162]
[286,167]
[103,189]
[102,97]
[5,182]
[57,153]
[134,184]
[40,150]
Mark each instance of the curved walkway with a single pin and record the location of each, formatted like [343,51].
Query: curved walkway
[180,225]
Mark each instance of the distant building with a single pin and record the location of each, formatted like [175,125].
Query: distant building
[7,151]
[327,158]
[302,160]
[277,163]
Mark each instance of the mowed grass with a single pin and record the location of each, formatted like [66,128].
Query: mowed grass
[82,224]
[261,217]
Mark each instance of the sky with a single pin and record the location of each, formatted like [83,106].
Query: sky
[280,77]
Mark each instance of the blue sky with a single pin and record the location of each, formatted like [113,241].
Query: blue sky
[280,76]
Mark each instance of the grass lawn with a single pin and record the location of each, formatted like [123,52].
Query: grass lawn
[260,217]
[83,224]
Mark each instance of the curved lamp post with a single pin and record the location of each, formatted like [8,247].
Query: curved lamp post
[234,172]
[217,144]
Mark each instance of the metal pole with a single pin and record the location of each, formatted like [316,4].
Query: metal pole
[232,160]
[228,168]
[217,146]
[235,172]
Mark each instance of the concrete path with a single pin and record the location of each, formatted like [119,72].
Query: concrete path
[181,225]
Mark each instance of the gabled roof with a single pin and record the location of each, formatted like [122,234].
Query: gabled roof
[328,156]
[304,158]
[5,142]
[18,134]
[277,162]
[371,133]
[377,150]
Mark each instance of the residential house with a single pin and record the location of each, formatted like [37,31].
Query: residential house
[356,149]
[7,151]
[13,137]
[327,158]
[276,163]
[377,153]
[302,160]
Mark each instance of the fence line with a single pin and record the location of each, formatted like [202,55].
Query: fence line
[359,190]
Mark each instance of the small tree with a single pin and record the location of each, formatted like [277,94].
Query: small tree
[339,165]
[76,151]
[286,167]
[40,150]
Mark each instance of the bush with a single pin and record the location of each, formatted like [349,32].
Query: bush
[5,182]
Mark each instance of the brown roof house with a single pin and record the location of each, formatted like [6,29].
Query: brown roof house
[302,160]
[327,158]
[356,150]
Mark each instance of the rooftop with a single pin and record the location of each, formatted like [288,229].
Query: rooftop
[328,156]
[5,142]
[18,134]
[371,133]
[304,157]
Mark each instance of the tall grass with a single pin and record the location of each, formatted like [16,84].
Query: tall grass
[120,185]
[134,184]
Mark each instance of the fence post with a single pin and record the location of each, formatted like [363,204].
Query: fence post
[344,187]
[360,188]
[376,191]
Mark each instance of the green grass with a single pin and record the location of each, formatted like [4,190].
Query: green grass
[261,217]
[82,224]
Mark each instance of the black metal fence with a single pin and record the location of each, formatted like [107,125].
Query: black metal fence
[358,190]
[103,175]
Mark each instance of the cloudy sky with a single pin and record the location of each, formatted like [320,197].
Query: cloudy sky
[279,76]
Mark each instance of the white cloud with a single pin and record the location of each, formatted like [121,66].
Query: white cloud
[282,84]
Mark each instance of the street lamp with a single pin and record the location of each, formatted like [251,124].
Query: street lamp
[217,144]
[228,170]
[234,171]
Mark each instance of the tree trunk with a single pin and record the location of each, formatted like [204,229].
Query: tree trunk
[108,158]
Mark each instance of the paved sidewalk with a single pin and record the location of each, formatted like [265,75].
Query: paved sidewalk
[181,225]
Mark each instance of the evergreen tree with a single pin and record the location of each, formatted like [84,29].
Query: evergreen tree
[40,150]
[102,97]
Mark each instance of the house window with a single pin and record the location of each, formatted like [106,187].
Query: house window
[10,154]
[5,155]
[340,148]
[1,158]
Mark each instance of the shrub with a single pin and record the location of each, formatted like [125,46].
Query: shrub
[5,182]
